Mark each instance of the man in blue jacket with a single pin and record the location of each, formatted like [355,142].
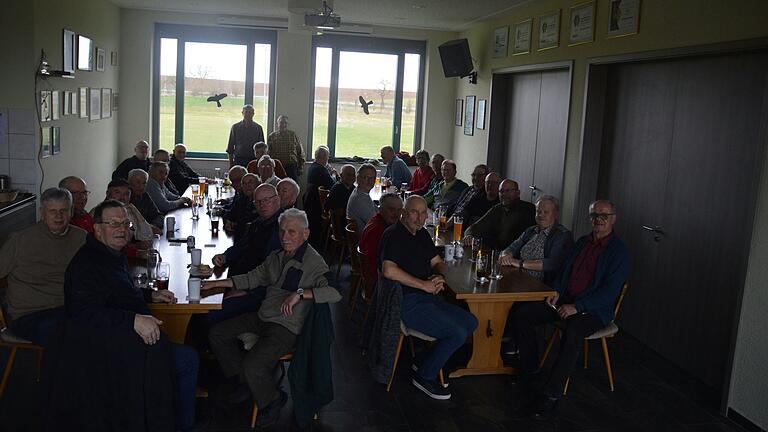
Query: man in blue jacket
[587,291]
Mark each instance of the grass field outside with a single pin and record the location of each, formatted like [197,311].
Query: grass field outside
[206,127]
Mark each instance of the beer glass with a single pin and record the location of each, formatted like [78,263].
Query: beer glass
[458,222]
[162,276]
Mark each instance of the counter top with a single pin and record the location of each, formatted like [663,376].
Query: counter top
[22,199]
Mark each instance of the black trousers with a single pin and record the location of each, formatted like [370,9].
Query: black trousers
[526,316]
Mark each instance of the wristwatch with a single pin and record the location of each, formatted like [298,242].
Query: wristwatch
[522,262]
[300,292]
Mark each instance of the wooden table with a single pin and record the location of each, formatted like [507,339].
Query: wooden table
[176,316]
[490,303]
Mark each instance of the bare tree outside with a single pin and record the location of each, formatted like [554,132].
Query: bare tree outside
[383,91]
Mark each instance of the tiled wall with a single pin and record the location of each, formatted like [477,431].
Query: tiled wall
[18,148]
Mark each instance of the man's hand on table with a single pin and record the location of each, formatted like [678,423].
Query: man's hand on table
[148,328]
[163,296]
[219,260]
[210,285]
[509,260]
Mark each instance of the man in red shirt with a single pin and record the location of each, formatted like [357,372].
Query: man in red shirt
[587,290]
[77,187]
[423,174]
[389,212]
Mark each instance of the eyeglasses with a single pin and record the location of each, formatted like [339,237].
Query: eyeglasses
[115,224]
[601,216]
[86,193]
[263,201]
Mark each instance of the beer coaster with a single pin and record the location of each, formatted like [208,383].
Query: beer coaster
[210,245]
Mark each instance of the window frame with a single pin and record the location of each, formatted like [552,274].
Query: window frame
[363,44]
[205,34]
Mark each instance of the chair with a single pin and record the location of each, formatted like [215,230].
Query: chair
[369,283]
[603,334]
[404,332]
[338,216]
[15,343]
[323,193]
[356,271]
[283,360]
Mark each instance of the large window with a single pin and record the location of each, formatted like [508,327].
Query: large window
[386,74]
[222,69]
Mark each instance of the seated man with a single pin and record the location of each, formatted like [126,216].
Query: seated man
[360,207]
[260,149]
[587,290]
[34,260]
[505,221]
[77,187]
[294,279]
[423,173]
[446,194]
[473,195]
[164,199]
[427,192]
[397,171]
[137,180]
[108,319]
[340,192]
[318,176]
[180,174]
[163,156]
[140,160]
[541,249]
[242,212]
[289,191]
[390,210]
[267,171]
[408,256]
[142,232]
[235,174]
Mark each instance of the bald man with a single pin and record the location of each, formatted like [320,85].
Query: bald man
[77,187]
[340,192]
[140,159]
[505,221]
[180,174]
[479,207]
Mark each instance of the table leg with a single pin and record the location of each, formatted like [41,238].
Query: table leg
[486,340]
[174,325]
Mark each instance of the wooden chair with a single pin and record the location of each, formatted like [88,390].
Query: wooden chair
[356,264]
[325,215]
[15,343]
[283,360]
[406,332]
[603,334]
[338,218]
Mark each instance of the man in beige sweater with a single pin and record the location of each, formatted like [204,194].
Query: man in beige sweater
[34,260]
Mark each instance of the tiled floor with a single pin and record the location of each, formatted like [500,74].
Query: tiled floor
[651,395]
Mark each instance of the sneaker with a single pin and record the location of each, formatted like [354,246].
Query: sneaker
[432,388]
[415,368]
[271,413]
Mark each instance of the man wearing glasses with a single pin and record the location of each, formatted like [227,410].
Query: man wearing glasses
[587,290]
[77,187]
[360,207]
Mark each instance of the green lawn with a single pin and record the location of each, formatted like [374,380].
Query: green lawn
[207,127]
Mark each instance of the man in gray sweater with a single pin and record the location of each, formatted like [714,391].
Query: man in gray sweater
[293,278]
[34,260]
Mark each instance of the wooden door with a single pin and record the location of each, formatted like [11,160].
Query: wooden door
[522,129]
[551,135]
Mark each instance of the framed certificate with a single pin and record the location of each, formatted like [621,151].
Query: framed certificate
[582,23]
[469,116]
[522,34]
[459,112]
[624,18]
[500,36]
[549,30]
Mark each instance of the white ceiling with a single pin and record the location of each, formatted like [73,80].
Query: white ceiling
[451,15]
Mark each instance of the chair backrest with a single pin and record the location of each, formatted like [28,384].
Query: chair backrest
[353,222]
[338,218]
[620,300]
[368,280]
[322,192]
[3,305]
[353,241]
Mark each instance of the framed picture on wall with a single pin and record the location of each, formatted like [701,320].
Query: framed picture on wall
[115,99]
[522,35]
[55,140]
[54,105]
[469,116]
[65,105]
[549,30]
[69,51]
[623,18]
[106,103]
[500,36]
[84,53]
[73,103]
[459,111]
[481,113]
[94,104]
[83,101]
[45,142]
[45,106]
[582,23]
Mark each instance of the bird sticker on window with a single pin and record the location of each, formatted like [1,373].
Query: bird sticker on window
[217,98]
[364,104]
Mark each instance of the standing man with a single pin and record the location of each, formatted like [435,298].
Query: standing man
[285,146]
[397,171]
[77,187]
[180,174]
[242,137]
[409,256]
[360,207]
[34,260]
[140,159]
[587,291]
[505,221]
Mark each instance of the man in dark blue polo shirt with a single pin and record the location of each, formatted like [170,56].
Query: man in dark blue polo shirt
[409,256]
[586,294]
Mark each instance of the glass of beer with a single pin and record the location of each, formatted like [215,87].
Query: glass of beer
[481,267]
[162,276]
[203,184]
[443,221]
[195,191]
[214,223]
[378,178]
[477,245]
[458,222]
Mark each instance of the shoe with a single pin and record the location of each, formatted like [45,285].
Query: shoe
[271,413]
[545,407]
[432,388]
[239,394]
[509,348]
[415,368]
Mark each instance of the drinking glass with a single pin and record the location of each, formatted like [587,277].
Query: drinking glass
[162,276]
[203,186]
[153,258]
[214,223]
[495,265]
[477,244]
[442,216]
[193,287]
[481,268]
[195,191]
[195,211]
[458,222]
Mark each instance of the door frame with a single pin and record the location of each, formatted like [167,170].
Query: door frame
[497,131]
[591,143]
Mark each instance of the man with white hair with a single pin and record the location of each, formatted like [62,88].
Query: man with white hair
[285,146]
[79,190]
[317,176]
[289,191]
[242,136]
[181,174]
[340,192]
[137,180]
[295,282]
[267,171]
[260,149]
[397,171]
[360,207]
[140,160]
[162,155]
[34,260]
[164,199]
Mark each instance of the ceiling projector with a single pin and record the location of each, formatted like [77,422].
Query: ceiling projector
[322,20]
